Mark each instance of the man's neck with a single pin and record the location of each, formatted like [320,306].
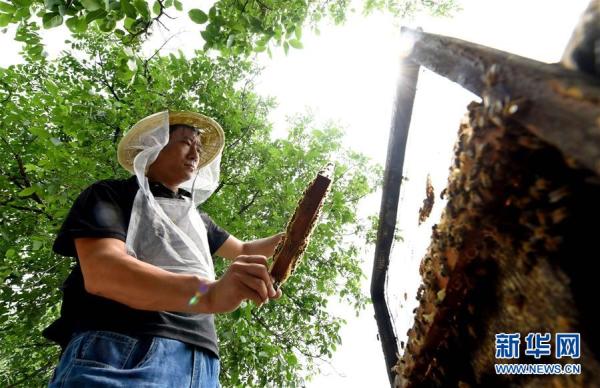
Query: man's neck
[173,187]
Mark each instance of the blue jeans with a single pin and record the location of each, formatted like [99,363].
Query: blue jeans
[108,359]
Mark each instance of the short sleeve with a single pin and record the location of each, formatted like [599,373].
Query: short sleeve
[216,235]
[97,212]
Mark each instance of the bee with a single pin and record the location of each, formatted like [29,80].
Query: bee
[441,294]
[491,76]
[428,318]
[552,243]
[485,180]
[420,292]
[444,270]
[559,215]
[558,194]
[471,331]
[529,142]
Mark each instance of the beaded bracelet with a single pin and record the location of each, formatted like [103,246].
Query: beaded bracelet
[203,289]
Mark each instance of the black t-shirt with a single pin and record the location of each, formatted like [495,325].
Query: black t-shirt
[103,210]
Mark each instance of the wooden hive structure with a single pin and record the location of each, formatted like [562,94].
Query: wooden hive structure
[515,249]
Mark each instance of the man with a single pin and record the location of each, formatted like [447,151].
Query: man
[138,306]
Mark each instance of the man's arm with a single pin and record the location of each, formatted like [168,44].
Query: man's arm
[108,271]
[232,247]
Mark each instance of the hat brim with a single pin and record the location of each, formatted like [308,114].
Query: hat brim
[212,137]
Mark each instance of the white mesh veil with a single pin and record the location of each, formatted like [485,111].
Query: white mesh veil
[147,145]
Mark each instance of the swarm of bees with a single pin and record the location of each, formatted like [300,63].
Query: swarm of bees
[514,252]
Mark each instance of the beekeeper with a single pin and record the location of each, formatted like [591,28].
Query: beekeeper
[138,305]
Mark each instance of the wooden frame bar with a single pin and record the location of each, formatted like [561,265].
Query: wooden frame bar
[559,105]
[392,180]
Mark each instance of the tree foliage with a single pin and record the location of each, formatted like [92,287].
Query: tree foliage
[231,26]
[60,122]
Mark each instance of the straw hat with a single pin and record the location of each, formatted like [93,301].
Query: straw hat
[212,137]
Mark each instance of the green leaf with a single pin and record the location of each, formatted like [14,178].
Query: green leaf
[52,5]
[156,8]
[106,25]
[27,191]
[236,314]
[52,19]
[23,13]
[256,23]
[295,43]
[37,244]
[31,167]
[178,5]
[7,8]
[138,25]
[51,86]
[92,5]
[94,15]
[286,47]
[247,311]
[128,23]
[4,19]
[77,24]
[128,9]
[142,7]
[198,16]
[291,359]
[112,5]
[230,40]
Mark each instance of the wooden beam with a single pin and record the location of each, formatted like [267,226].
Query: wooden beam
[392,179]
[581,52]
[559,105]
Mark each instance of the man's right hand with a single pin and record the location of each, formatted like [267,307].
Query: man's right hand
[246,278]
[109,272]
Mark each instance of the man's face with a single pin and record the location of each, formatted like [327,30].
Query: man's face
[177,161]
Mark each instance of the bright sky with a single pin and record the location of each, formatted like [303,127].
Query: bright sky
[348,74]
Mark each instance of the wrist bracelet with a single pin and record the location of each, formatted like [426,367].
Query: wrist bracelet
[203,289]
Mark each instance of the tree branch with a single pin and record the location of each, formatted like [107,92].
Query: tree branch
[105,82]
[281,337]
[10,92]
[146,61]
[116,134]
[146,27]
[245,207]
[22,171]
[263,5]
[29,209]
